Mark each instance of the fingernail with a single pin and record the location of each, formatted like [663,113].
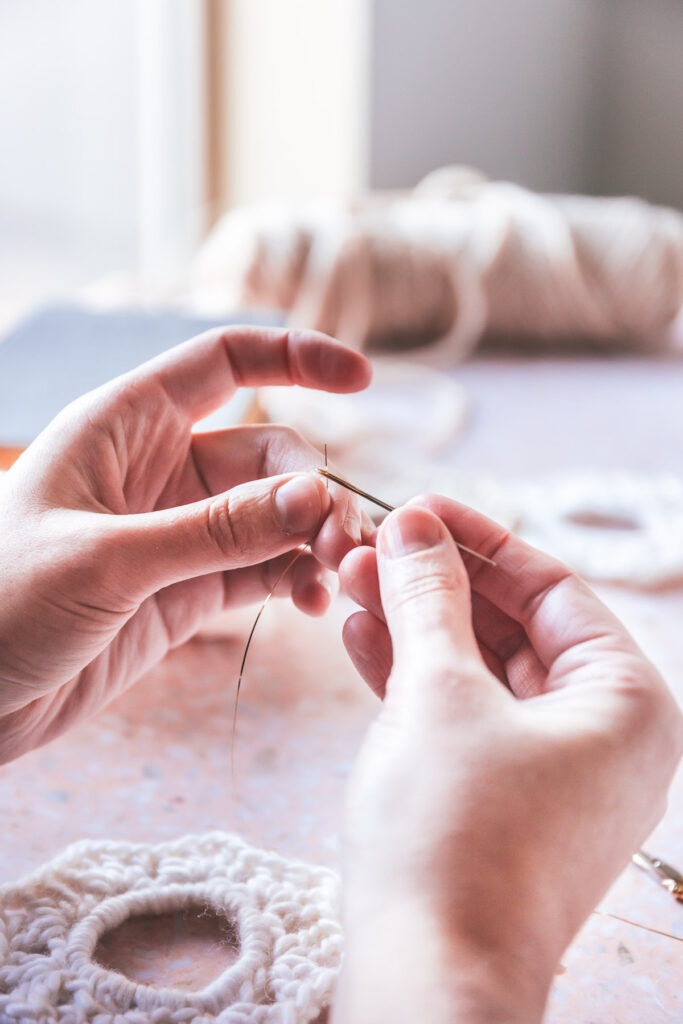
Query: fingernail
[298,505]
[413,529]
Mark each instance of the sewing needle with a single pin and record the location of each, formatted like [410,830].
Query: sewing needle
[390,508]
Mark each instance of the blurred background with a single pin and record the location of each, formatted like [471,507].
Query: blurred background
[138,141]
[128,127]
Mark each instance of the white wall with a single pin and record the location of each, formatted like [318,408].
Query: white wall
[296,89]
[325,96]
[68,127]
[578,95]
[328,96]
[503,85]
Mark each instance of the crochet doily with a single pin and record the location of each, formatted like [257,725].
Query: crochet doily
[611,526]
[285,913]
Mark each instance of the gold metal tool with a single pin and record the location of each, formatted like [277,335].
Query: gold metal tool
[668,877]
[390,508]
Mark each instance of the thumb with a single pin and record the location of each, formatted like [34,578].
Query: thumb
[426,599]
[248,524]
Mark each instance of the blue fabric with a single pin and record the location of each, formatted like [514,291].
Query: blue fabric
[61,352]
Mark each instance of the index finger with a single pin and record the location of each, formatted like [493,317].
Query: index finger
[202,374]
[557,610]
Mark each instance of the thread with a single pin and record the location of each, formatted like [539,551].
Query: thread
[245,653]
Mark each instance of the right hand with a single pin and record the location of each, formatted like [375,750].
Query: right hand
[522,753]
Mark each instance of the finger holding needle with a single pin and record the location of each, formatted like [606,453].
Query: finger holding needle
[390,508]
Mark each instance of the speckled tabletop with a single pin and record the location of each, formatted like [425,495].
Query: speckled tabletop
[156,764]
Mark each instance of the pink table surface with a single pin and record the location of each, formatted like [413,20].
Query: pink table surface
[156,764]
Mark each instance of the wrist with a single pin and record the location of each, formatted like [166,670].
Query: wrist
[407,963]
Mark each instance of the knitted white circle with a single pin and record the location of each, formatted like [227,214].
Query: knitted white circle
[611,526]
[608,525]
[285,913]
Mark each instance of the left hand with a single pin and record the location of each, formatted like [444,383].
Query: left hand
[121,531]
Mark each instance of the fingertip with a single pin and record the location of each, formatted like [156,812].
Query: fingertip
[358,578]
[312,598]
[353,562]
[313,588]
[325,363]
[339,534]
[301,504]
[358,632]
[408,531]
[331,546]
[424,587]
[368,645]
[465,523]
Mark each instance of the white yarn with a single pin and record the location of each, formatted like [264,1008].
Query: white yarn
[285,913]
[612,526]
[458,258]
[643,548]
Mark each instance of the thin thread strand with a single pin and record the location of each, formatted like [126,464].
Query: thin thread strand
[260,612]
[634,924]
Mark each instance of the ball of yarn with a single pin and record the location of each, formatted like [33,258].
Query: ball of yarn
[459,258]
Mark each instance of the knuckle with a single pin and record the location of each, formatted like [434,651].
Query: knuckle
[441,671]
[89,570]
[287,434]
[446,668]
[646,695]
[419,590]
[652,709]
[282,449]
[221,528]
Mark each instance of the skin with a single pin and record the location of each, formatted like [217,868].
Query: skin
[524,744]
[123,532]
[522,753]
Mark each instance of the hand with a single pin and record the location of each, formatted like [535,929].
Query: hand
[121,531]
[482,829]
